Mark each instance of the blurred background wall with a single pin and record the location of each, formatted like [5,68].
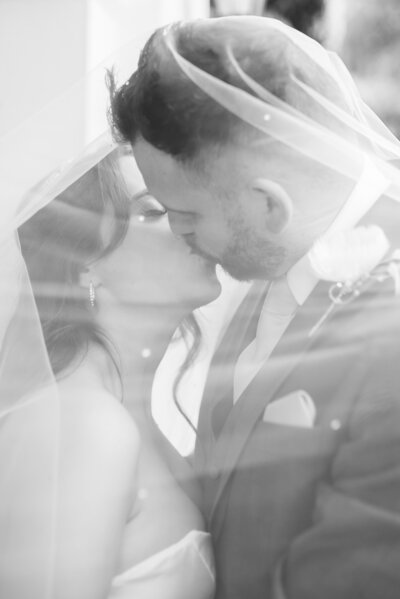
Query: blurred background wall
[47,45]
[366,34]
[304,15]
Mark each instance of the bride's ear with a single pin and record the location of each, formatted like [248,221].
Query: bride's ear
[278,205]
[87,276]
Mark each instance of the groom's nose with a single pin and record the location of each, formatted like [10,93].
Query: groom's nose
[181,223]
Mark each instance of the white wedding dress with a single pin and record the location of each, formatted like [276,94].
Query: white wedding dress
[184,570]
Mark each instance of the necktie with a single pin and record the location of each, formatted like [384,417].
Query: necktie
[277,312]
[248,315]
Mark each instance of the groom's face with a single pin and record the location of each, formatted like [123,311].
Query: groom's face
[215,209]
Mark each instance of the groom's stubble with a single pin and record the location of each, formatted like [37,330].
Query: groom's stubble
[249,255]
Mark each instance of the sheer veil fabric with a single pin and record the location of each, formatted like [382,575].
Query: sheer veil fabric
[36,164]
[38,160]
[355,134]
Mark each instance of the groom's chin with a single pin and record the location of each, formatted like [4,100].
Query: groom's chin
[244,273]
[266,263]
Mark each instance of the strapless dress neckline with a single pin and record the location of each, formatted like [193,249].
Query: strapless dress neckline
[184,569]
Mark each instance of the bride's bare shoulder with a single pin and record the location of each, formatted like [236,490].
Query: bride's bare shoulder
[93,414]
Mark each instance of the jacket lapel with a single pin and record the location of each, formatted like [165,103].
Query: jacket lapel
[221,371]
[262,389]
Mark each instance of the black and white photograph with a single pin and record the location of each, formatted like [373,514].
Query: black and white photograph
[200,299]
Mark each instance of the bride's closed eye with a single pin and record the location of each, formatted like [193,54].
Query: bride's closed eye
[146,207]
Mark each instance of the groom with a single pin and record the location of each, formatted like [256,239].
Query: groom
[299,430]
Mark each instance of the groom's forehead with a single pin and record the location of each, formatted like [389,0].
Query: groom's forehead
[217,172]
[170,181]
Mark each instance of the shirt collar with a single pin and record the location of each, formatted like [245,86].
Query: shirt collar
[301,280]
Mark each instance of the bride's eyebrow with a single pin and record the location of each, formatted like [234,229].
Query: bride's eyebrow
[140,194]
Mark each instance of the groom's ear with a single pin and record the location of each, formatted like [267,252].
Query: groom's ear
[277,202]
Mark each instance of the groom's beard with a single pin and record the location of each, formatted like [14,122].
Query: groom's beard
[246,258]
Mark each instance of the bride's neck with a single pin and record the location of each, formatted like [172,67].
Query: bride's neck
[140,335]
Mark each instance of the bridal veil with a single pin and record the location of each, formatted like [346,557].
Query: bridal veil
[37,164]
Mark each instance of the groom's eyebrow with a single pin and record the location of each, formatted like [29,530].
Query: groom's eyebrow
[145,192]
[178,211]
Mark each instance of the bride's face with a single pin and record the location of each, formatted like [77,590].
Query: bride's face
[152,266]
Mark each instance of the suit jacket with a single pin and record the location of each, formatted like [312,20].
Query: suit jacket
[304,513]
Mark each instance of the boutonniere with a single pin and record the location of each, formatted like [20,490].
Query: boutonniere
[352,260]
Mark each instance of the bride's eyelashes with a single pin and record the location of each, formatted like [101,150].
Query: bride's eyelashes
[147,207]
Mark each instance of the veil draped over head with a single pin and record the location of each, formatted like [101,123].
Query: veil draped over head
[39,160]
[336,129]
[36,165]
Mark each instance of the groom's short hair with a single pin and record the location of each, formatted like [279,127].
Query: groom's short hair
[160,104]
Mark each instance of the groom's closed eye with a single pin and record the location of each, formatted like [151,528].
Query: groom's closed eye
[146,206]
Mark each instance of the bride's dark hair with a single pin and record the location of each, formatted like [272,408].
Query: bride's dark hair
[59,242]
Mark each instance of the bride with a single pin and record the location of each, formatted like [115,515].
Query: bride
[111,284]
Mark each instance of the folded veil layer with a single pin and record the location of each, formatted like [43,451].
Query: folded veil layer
[357,133]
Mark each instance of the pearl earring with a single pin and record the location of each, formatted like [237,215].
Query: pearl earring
[92,295]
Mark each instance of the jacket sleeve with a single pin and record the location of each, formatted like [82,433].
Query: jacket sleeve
[353,548]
